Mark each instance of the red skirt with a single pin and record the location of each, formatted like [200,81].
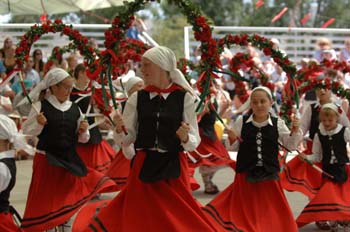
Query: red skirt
[55,195]
[84,216]
[193,182]
[301,177]
[7,224]
[257,207]
[219,154]
[119,170]
[332,203]
[157,207]
[96,156]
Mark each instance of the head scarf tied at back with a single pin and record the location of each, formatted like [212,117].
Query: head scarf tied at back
[52,77]
[8,131]
[165,58]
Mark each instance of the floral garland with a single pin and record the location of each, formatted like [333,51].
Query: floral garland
[57,55]
[36,31]
[307,80]
[115,34]
[245,62]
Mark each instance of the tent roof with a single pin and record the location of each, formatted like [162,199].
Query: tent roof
[37,7]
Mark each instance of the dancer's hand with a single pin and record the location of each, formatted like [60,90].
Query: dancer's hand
[231,136]
[302,156]
[83,127]
[118,122]
[182,132]
[41,119]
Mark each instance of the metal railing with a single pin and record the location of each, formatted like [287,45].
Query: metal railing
[296,42]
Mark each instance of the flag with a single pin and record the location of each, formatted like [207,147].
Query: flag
[259,3]
[305,18]
[279,15]
[329,22]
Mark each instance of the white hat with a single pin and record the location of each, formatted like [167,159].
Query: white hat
[52,77]
[131,82]
[8,131]
[275,41]
[165,58]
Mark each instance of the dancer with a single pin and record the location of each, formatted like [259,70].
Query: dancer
[10,141]
[96,153]
[161,123]
[61,183]
[329,147]
[256,190]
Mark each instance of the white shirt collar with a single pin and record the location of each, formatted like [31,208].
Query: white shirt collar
[58,105]
[323,131]
[7,154]
[260,124]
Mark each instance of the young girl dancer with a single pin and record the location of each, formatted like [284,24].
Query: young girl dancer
[161,123]
[10,141]
[96,153]
[329,147]
[61,183]
[120,167]
[255,200]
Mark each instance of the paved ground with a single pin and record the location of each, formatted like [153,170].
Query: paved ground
[223,178]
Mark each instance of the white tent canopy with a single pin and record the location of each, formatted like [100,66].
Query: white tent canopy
[38,7]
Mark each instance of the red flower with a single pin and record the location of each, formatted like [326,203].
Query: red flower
[267,51]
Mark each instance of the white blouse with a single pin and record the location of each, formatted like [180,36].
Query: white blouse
[316,155]
[5,174]
[32,127]
[131,124]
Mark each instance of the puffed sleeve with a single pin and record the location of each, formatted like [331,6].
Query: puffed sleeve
[5,177]
[31,125]
[130,122]
[290,141]
[190,117]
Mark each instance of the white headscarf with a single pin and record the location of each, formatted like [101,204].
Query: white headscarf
[165,58]
[52,77]
[246,105]
[131,82]
[8,131]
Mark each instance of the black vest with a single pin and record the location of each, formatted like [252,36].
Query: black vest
[5,195]
[59,137]
[315,120]
[206,124]
[95,134]
[337,142]
[159,120]
[247,156]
